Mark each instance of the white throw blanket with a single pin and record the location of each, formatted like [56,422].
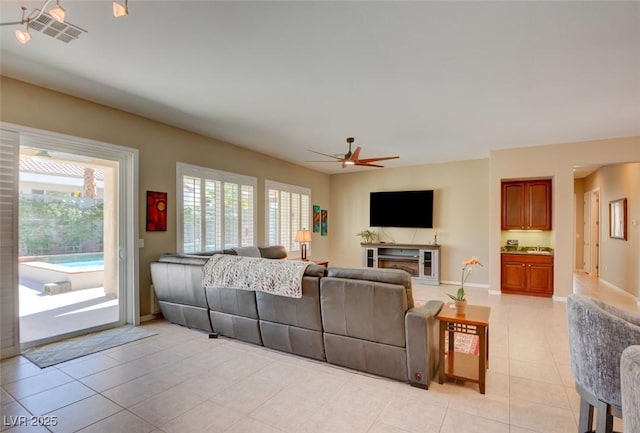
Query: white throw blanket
[278,277]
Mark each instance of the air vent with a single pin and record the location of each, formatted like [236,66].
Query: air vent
[65,32]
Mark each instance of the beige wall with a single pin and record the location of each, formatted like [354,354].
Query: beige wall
[467,194]
[461,212]
[160,147]
[555,161]
[619,259]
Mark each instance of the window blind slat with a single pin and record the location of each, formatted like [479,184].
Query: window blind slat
[287,212]
[217,209]
[9,155]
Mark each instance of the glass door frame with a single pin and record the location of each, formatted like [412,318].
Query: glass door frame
[127,159]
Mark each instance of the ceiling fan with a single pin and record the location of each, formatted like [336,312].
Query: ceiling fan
[353,158]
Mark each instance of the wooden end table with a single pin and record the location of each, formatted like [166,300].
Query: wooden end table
[462,365]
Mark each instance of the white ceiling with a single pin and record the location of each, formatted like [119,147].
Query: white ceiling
[429,81]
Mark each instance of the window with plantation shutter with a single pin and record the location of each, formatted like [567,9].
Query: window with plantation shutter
[9,155]
[215,209]
[287,211]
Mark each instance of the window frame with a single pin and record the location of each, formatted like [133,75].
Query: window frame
[305,221]
[211,174]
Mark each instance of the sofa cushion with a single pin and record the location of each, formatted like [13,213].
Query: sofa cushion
[292,339]
[186,315]
[273,252]
[240,328]
[178,282]
[374,358]
[210,253]
[314,270]
[301,312]
[232,301]
[368,310]
[247,251]
[391,276]
[186,259]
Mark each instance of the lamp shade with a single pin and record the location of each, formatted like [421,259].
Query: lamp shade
[303,235]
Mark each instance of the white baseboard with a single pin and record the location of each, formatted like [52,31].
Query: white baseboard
[457,283]
[560,299]
[495,292]
[150,317]
[613,286]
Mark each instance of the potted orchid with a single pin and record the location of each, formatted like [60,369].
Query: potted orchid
[459,297]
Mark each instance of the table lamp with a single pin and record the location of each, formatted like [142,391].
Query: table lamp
[303,236]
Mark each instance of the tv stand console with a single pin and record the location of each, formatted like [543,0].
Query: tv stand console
[422,261]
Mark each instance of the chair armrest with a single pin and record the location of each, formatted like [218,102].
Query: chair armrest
[630,383]
[421,333]
[597,337]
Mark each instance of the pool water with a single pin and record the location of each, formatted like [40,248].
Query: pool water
[82,271]
[76,261]
[85,264]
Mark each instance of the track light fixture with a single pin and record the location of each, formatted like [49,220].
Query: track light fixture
[41,19]
[23,36]
[58,12]
[119,10]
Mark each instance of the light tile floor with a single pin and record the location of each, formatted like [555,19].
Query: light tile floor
[181,381]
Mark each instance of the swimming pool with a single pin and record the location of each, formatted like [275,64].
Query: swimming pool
[82,271]
[75,261]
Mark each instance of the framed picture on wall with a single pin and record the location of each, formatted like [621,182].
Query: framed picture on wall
[156,211]
[324,222]
[316,218]
[618,219]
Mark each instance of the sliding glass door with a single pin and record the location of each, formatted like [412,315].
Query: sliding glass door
[74,218]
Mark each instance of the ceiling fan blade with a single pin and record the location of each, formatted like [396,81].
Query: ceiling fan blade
[361,164]
[327,155]
[356,154]
[381,158]
[322,161]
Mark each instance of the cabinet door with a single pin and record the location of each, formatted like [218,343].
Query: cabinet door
[513,200]
[538,205]
[426,264]
[369,258]
[540,278]
[514,276]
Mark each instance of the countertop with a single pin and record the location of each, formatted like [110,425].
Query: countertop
[542,251]
[528,253]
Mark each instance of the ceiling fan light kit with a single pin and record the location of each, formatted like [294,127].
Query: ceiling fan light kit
[353,158]
[41,20]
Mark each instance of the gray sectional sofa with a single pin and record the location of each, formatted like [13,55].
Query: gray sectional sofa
[363,319]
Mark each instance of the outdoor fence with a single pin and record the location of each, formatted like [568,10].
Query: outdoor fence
[60,225]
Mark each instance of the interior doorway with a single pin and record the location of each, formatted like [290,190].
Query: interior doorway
[591,251]
[68,255]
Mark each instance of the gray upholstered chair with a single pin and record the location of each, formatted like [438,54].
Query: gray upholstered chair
[598,333]
[630,387]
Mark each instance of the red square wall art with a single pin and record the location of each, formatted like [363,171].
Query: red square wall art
[156,211]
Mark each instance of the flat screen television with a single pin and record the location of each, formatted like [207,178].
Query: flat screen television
[411,209]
